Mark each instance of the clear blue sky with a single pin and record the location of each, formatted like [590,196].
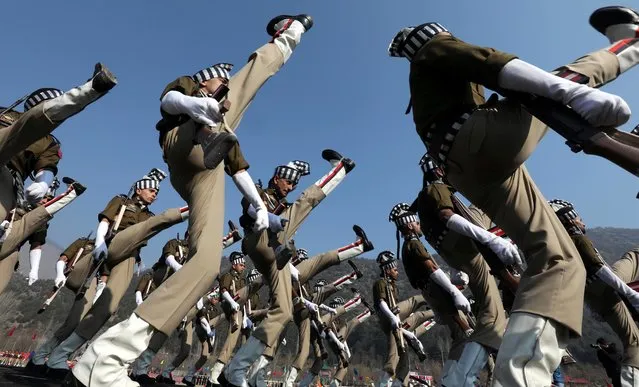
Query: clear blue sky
[339,90]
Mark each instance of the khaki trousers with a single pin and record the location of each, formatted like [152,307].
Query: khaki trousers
[459,252]
[121,263]
[30,127]
[340,374]
[203,190]
[604,300]
[486,165]
[260,247]
[397,362]
[79,309]
[310,267]
[232,339]
[23,228]
[7,267]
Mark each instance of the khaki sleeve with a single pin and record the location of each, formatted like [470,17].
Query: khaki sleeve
[591,259]
[379,292]
[111,210]
[235,161]
[49,159]
[170,248]
[73,248]
[185,85]
[441,197]
[225,283]
[449,55]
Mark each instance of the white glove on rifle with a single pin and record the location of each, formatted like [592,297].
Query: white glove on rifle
[247,323]
[246,186]
[441,279]
[392,318]
[101,250]
[597,107]
[36,190]
[204,110]
[275,222]
[505,251]
[311,306]
[227,297]
[172,263]
[138,297]
[60,279]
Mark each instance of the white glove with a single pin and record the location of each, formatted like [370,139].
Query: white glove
[41,182]
[246,186]
[211,333]
[506,251]
[295,274]
[247,323]
[100,250]
[275,222]
[284,341]
[60,279]
[199,305]
[172,263]
[204,110]
[138,297]
[311,306]
[227,297]
[206,326]
[392,318]
[441,279]
[597,107]
[34,260]
[36,191]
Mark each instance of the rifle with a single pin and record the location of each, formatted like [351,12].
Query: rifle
[617,146]
[358,273]
[56,290]
[107,239]
[16,103]
[235,325]
[233,236]
[506,274]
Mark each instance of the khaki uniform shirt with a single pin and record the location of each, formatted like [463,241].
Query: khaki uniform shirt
[234,160]
[45,154]
[231,282]
[432,199]
[134,213]
[447,74]
[414,258]
[589,255]
[79,243]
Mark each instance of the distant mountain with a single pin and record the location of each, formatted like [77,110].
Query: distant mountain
[20,303]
